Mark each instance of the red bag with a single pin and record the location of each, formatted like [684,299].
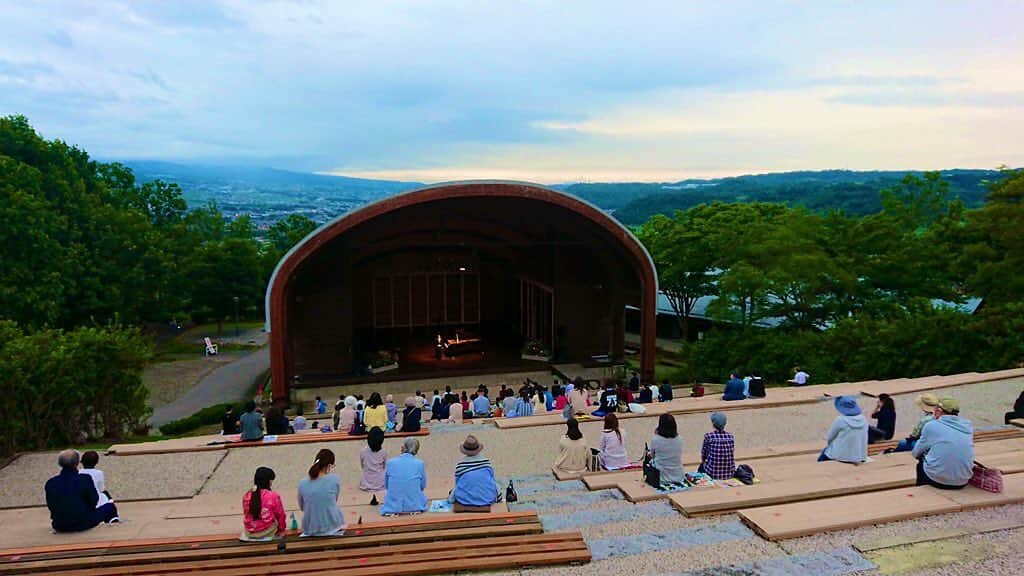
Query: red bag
[988,479]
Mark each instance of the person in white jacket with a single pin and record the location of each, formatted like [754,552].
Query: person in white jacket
[848,436]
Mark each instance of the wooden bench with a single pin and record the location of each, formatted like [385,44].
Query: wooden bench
[847,512]
[202,444]
[407,546]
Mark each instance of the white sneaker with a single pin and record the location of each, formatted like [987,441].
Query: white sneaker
[114,520]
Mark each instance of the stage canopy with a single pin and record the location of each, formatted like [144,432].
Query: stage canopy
[501,262]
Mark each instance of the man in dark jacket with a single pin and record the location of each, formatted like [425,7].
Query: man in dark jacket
[734,388]
[72,497]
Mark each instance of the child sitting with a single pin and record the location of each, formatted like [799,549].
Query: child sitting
[89,461]
[262,509]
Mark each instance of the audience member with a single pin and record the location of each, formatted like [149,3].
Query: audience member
[755,388]
[799,378]
[560,400]
[464,400]
[411,416]
[625,394]
[405,479]
[251,422]
[645,396]
[524,405]
[734,388]
[229,423]
[885,414]
[665,391]
[613,444]
[347,416]
[72,498]
[299,422]
[945,451]
[318,498]
[634,382]
[1018,410]
[927,403]
[717,453]
[848,436]
[475,487]
[481,405]
[392,409]
[608,401]
[453,409]
[375,415]
[89,461]
[262,510]
[579,399]
[549,397]
[277,422]
[320,406]
[573,453]
[435,409]
[667,451]
[372,459]
[508,402]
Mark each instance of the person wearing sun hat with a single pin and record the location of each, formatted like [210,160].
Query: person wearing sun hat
[475,487]
[945,451]
[847,438]
[926,402]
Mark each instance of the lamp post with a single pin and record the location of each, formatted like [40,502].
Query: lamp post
[236,315]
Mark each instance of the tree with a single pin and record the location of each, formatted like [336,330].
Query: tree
[684,259]
[288,231]
[916,202]
[220,272]
[994,257]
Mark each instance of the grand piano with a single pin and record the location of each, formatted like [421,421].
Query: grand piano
[462,342]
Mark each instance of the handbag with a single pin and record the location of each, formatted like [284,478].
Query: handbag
[510,493]
[652,476]
[988,479]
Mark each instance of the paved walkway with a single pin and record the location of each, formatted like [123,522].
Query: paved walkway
[228,383]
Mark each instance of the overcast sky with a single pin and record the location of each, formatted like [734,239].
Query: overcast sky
[553,91]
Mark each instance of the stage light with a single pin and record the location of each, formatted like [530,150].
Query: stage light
[462,268]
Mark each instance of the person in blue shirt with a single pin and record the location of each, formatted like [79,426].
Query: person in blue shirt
[405,479]
[475,487]
[945,451]
[734,388]
[524,404]
[481,405]
[71,497]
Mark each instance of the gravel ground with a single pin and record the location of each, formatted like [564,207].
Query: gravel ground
[128,478]
[168,381]
[996,554]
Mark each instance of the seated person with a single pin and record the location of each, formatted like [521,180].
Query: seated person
[454,409]
[560,400]
[262,510]
[481,405]
[405,479]
[89,461]
[800,378]
[319,405]
[645,396]
[885,414]
[665,391]
[1018,410]
[372,460]
[411,416]
[251,423]
[573,453]
[613,444]
[667,451]
[609,400]
[277,422]
[508,403]
[624,393]
[392,409]
[718,450]
[229,423]
[579,399]
[375,415]
[524,405]
[346,417]
[318,498]
[72,498]
[945,451]
[755,388]
[927,403]
[299,422]
[848,436]
[734,388]
[475,487]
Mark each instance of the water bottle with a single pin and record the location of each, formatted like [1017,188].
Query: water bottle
[294,525]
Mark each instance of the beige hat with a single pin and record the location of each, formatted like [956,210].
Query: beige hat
[472,446]
[927,401]
[949,405]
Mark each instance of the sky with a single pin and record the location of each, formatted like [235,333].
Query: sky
[546,91]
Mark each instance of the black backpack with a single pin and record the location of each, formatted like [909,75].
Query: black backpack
[652,476]
[358,427]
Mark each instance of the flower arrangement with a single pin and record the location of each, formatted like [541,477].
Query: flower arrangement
[384,358]
[535,349]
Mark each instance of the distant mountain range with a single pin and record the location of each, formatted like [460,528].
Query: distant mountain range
[270,194]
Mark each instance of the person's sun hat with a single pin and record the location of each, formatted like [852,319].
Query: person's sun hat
[949,405]
[847,406]
[927,401]
[471,446]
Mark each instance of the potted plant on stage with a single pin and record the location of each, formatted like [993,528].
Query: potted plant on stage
[384,361]
[536,350]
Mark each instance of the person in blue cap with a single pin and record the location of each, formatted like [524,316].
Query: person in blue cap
[848,436]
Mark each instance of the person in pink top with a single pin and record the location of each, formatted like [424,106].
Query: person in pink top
[373,459]
[262,509]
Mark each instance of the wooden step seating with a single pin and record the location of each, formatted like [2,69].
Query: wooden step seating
[784,396]
[798,519]
[1018,422]
[202,443]
[795,464]
[408,546]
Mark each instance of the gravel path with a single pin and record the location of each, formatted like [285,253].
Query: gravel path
[225,384]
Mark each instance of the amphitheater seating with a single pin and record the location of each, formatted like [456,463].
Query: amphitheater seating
[215,442]
[408,546]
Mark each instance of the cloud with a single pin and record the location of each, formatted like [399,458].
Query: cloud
[557,90]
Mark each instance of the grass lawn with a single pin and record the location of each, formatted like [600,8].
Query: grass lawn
[189,344]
